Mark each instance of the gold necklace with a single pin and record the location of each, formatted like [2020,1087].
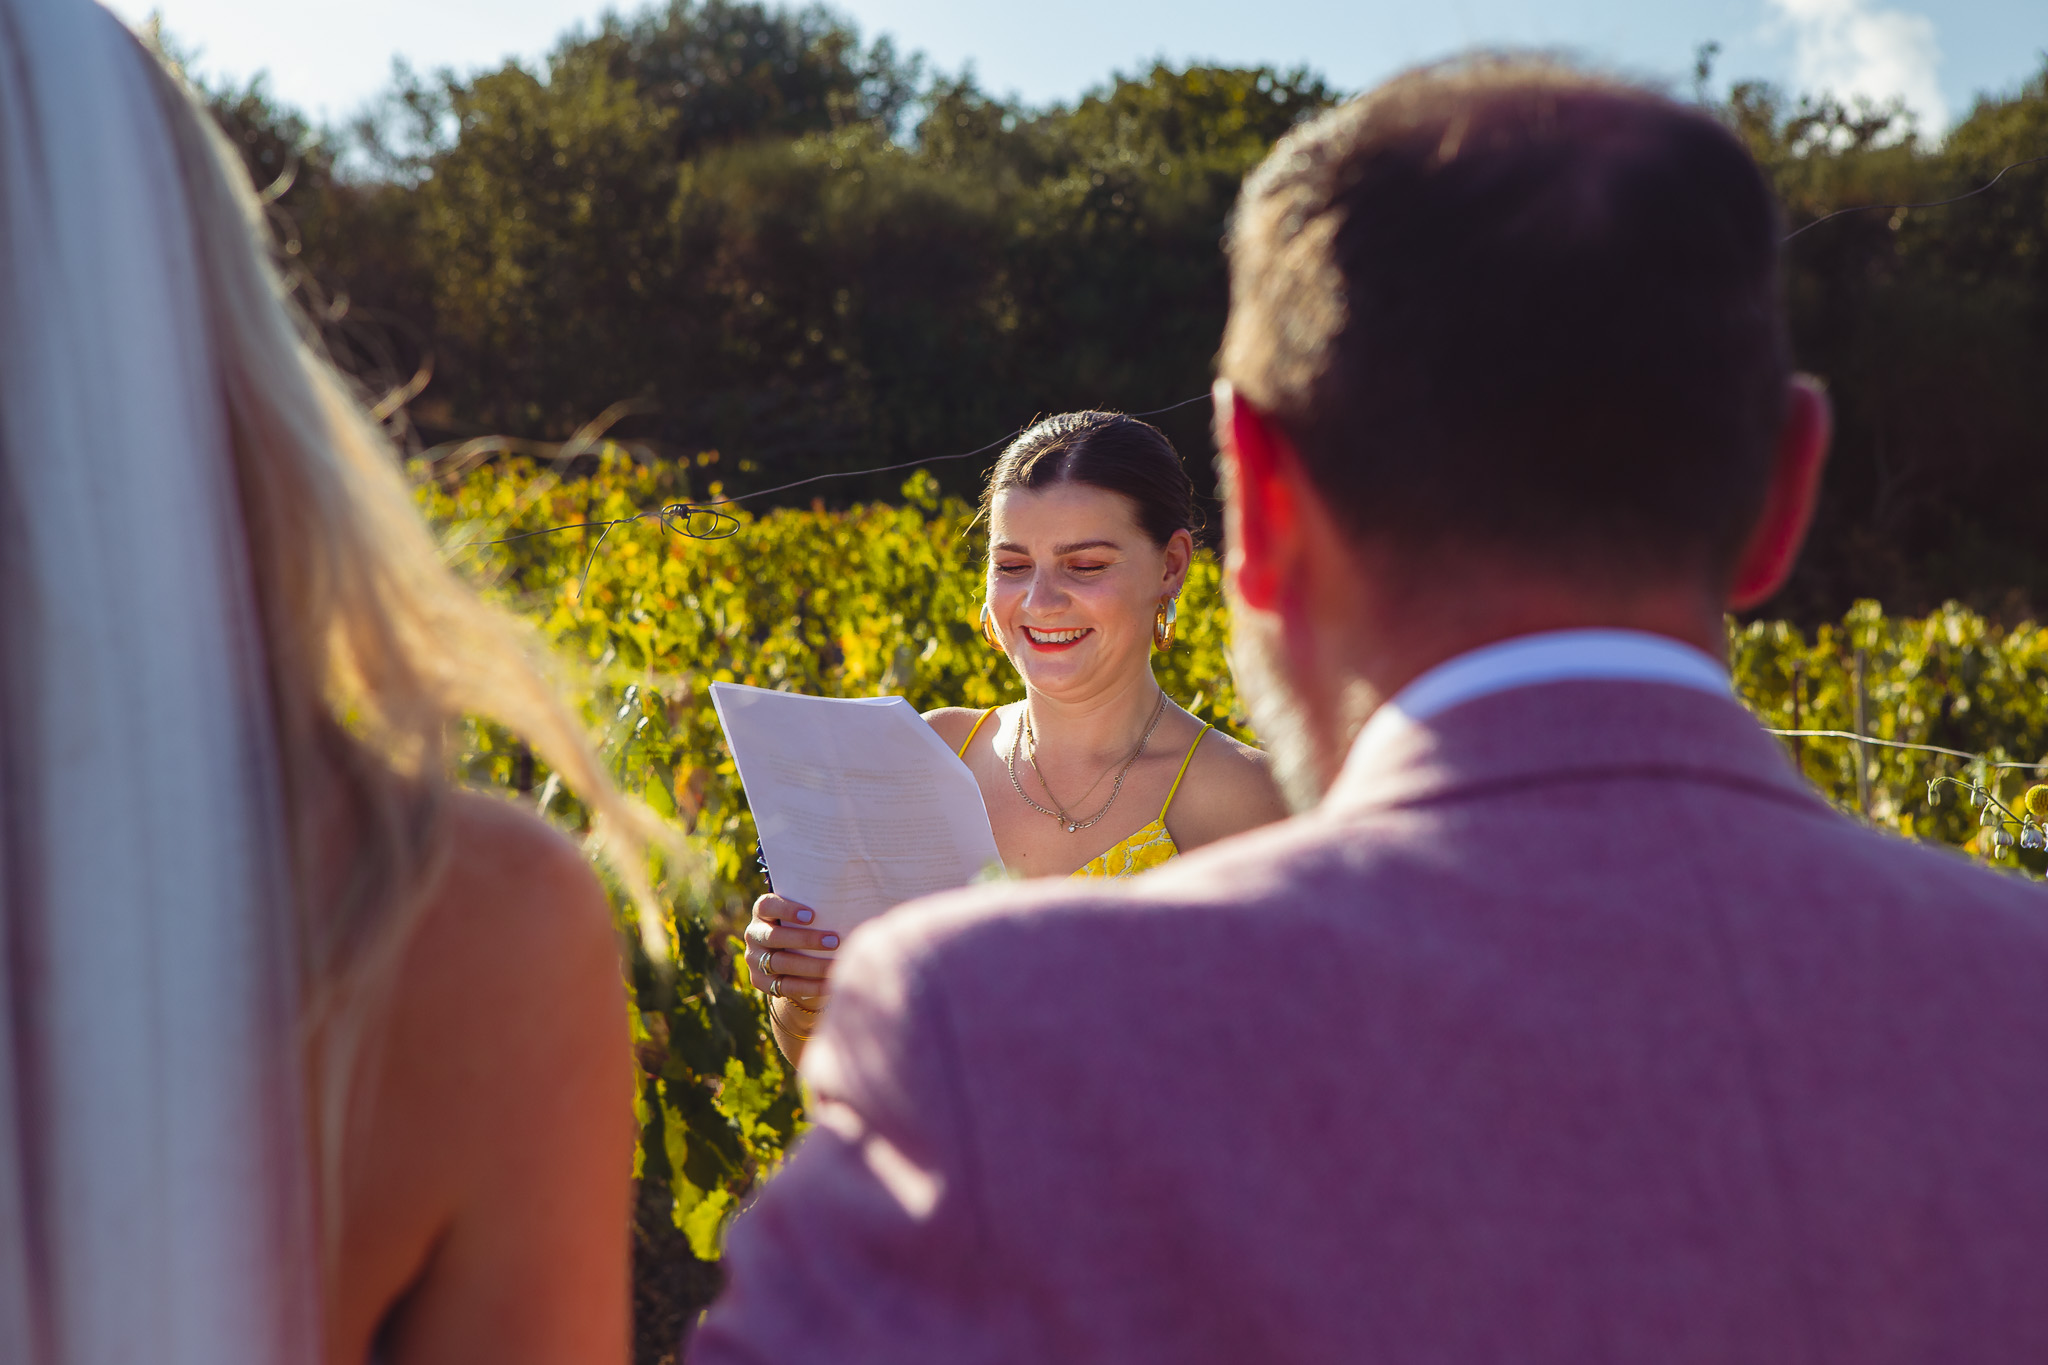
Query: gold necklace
[1076,826]
[1031,757]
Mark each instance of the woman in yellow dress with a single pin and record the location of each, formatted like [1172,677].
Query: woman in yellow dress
[1096,772]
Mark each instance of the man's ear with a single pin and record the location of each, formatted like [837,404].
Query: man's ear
[1261,517]
[1802,454]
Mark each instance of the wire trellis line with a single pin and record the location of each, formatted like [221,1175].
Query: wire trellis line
[706,520]
[1931,204]
[1901,744]
[930,459]
[2029,818]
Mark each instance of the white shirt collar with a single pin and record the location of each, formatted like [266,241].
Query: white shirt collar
[1547,657]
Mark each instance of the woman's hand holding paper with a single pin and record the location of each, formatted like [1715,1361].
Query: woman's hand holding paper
[781,961]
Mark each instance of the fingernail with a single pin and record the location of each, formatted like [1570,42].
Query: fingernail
[803,917]
[830,940]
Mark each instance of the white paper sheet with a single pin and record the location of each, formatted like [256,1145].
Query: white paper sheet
[859,804]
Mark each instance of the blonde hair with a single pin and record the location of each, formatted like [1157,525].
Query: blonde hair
[375,648]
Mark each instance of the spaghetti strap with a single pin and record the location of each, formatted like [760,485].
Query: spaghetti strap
[1174,790]
[961,753]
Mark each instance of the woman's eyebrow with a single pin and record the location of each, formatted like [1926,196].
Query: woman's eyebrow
[1013,547]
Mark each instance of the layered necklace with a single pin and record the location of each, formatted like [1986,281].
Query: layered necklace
[1073,823]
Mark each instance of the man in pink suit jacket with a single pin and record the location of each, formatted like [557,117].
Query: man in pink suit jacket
[1564,1024]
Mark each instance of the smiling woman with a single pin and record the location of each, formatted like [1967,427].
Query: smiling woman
[1097,772]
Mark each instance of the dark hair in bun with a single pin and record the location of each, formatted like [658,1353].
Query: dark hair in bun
[1104,450]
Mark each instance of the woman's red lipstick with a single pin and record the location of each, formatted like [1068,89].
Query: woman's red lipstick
[1053,646]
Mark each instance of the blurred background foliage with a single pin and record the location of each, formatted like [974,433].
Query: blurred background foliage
[1931,328]
[1951,679]
[776,240]
[772,239]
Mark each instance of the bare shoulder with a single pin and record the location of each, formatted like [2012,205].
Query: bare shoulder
[954,723]
[1229,788]
[516,892]
[502,1073]
[512,975]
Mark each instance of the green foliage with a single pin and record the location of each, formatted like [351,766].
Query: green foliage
[771,239]
[548,220]
[731,72]
[1931,329]
[1950,679]
[348,246]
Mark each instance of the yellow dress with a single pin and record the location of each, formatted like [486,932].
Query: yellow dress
[1144,849]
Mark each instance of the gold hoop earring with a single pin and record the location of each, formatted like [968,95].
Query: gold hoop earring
[1163,622]
[988,630]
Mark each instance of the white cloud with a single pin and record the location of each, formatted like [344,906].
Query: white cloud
[1852,48]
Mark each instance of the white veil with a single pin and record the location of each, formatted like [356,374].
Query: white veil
[153,1194]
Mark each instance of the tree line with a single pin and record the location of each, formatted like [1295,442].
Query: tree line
[740,228]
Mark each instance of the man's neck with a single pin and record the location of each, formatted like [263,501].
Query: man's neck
[1387,639]
[1387,659]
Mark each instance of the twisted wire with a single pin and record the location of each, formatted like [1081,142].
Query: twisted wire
[1931,204]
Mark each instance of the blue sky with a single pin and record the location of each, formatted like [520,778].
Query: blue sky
[329,56]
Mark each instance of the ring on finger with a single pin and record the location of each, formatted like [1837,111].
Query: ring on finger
[767,957]
[775,986]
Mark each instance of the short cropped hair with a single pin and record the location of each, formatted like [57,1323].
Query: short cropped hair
[1504,303]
